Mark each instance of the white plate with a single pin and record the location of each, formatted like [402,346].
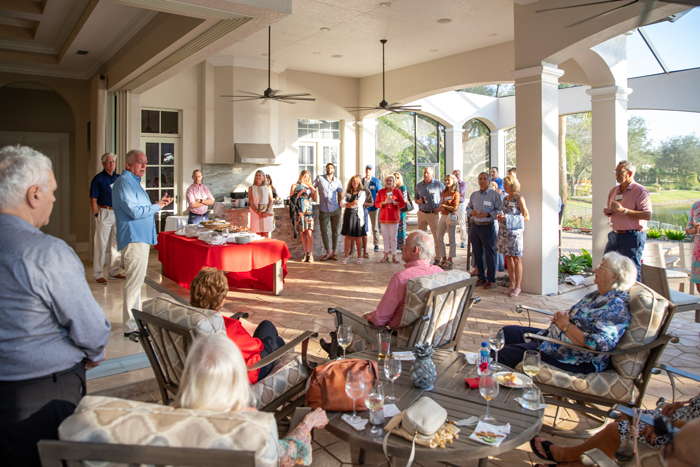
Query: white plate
[521,380]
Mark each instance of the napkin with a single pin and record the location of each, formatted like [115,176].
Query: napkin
[472,382]
[471,357]
[522,403]
[467,421]
[406,356]
[491,435]
[390,410]
[575,280]
[358,425]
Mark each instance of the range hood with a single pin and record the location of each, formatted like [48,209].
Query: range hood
[259,154]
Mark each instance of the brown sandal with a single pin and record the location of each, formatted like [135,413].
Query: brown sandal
[385,259]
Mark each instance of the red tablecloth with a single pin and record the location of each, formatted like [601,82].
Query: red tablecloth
[249,265]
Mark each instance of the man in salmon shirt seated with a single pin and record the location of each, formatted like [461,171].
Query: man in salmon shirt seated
[208,290]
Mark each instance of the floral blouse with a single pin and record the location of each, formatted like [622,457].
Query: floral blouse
[295,448]
[602,318]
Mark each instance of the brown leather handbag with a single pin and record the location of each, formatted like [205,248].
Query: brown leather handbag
[326,388]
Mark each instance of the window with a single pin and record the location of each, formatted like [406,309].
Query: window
[307,158]
[318,129]
[160,122]
[319,145]
[477,152]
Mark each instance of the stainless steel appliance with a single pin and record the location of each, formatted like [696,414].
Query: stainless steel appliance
[239,199]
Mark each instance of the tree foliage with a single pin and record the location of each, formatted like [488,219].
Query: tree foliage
[579,156]
[679,154]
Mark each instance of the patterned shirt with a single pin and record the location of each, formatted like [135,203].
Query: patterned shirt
[390,308]
[603,320]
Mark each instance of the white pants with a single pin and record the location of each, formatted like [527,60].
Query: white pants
[444,226]
[105,237]
[135,264]
[389,232]
[462,221]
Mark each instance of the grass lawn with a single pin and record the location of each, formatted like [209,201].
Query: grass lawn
[656,198]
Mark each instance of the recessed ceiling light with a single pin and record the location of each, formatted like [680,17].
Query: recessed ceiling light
[444,20]
[493,34]
[317,53]
[324,29]
[336,56]
[385,4]
[433,50]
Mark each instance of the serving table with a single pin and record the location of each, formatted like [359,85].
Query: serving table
[451,392]
[261,264]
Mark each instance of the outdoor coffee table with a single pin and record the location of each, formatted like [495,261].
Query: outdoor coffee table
[451,392]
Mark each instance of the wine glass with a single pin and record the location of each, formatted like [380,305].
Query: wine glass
[344,337]
[488,388]
[354,388]
[497,341]
[225,233]
[374,400]
[392,370]
[531,364]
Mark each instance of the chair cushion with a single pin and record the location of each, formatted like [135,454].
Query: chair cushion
[647,311]
[682,299]
[440,328]
[117,421]
[287,372]
[607,384]
[673,274]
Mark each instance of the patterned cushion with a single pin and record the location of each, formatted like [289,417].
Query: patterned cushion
[607,384]
[117,421]
[287,372]
[647,310]
[441,326]
[199,320]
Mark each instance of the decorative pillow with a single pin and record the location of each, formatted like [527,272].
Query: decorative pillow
[117,421]
[647,311]
[287,372]
[441,327]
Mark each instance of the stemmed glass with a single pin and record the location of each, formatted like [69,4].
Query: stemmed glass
[374,400]
[344,337]
[488,388]
[225,233]
[354,388]
[497,341]
[531,364]
[392,370]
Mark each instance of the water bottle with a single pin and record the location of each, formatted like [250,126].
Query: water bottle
[484,357]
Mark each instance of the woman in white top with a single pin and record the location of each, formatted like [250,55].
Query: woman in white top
[260,199]
[354,217]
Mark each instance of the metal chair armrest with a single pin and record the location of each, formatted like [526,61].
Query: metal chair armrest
[675,371]
[302,339]
[528,309]
[240,315]
[596,457]
[657,342]
[340,311]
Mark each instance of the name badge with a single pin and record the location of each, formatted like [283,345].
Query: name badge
[618,198]
[487,203]
[513,203]
[111,186]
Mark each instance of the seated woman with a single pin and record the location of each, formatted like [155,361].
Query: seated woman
[598,321]
[214,379]
[208,290]
[609,439]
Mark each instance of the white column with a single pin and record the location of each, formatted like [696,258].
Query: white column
[497,141]
[537,108]
[609,145]
[454,154]
[367,144]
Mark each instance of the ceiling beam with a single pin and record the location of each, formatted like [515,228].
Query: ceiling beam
[24,6]
[76,30]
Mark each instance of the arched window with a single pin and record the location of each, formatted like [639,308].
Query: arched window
[477,152]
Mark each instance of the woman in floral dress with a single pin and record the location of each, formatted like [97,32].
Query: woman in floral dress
[510,241]
[304,222]
[693,228]
[401,235]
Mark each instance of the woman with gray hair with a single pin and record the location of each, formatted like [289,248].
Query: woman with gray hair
[598,322]
[261,200]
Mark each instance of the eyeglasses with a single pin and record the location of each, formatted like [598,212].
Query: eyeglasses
[621,171]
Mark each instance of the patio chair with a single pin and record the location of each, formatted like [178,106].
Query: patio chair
[168,328]
[629,372]
[686,254]
[654,255]
[436,309]
[656,278]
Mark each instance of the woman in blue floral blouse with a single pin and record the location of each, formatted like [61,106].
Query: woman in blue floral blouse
[598,322]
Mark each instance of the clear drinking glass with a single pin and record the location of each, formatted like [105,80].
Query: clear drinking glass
[497,341]
[392,370]
[374,400]
[488,388]
[383,344]
[344,337]
[531,364]
[354,388]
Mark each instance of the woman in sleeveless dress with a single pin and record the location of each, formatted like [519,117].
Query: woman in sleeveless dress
[353,217]
[510,242]
[401,233]
[304,221]
[260,200]
[693,228]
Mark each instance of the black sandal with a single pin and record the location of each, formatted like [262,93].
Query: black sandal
[545,445]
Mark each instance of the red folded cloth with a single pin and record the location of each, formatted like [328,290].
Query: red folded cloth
[473,383]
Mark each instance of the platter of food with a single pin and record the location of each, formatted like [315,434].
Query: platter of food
[512,379]
[215,225]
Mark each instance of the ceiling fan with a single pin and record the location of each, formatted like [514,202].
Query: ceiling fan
[384,105]
[647,6]
[270,93]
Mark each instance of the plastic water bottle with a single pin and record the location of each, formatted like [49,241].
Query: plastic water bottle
[484,357]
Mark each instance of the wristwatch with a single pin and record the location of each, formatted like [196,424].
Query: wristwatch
[97,214]
[625,212]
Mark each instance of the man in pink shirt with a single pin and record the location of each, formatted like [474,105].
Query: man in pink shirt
[198,198]
[417,254]
[629,210]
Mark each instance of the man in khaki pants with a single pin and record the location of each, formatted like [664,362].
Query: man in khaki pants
[136,230]
[427,197]
[105,224]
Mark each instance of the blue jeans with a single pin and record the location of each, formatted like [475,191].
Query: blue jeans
[483,238]
[630,244]
[196,218]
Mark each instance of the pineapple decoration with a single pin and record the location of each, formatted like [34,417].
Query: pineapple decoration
[423,370]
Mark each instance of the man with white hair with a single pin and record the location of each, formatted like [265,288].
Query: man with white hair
[105,225]
[51,327]
[136,230]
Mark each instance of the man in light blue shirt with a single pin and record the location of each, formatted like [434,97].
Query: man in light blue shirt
[330,192]
[428,195]
[136,230]
[499,181]
[484,205]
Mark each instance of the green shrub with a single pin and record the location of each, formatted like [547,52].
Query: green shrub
[653,233]
[678,235]
[587,256]
[573,264]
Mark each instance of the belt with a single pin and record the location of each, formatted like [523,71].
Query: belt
[430,212]
[628,231]
[482,223]
[106,207]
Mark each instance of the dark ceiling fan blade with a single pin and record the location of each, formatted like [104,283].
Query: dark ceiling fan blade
[576,6]
[683,2]
[304,94]
[605,13]
[248,99]
[644,15]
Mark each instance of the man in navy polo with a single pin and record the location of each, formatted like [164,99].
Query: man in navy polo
[105,225]
[499,181]
[373,185]
[484,205]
